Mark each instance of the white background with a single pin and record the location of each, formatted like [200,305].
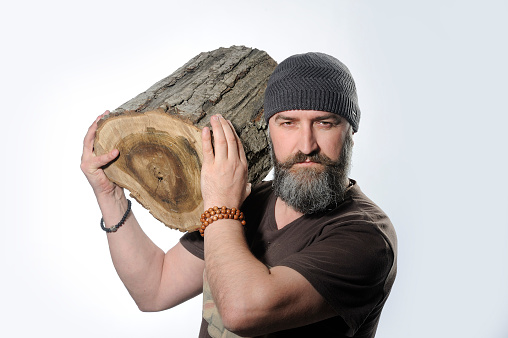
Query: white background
[431,149]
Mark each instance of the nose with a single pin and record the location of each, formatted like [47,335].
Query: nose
[308,143]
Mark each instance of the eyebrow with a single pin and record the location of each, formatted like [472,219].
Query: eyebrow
[282,117]
[327,116]
[336,118]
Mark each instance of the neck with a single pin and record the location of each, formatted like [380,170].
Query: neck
[284,214]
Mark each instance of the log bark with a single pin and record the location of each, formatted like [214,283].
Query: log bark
[158,132]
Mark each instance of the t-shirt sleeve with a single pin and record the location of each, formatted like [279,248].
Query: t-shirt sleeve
[193,242]
[348,266]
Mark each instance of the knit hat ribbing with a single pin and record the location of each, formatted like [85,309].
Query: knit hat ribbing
[312,81]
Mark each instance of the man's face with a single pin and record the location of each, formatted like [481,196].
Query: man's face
[311,151]
[309,132]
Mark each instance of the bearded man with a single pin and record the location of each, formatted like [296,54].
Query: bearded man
[316,257]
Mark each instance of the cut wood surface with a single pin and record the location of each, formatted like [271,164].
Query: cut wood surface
[158,132]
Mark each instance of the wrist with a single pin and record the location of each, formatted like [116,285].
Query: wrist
[211,203]
[224,230]
[215,214]
[115,227]
[112,205]
[113,197]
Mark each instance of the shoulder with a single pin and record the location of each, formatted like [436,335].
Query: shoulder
[360,225]
[352,247]
[358,209]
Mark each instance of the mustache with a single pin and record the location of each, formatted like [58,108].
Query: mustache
[300,157]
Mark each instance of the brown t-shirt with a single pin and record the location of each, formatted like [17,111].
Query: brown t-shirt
[348,255]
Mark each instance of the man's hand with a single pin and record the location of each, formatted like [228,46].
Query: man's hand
[224,171]
[91,165]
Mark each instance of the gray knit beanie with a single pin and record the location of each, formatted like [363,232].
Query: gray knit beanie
[312,81]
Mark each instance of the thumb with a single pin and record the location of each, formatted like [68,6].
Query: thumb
[248,188]
[102,160]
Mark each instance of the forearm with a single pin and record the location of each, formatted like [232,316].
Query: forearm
[252,299]
[241,286]
[237,279]
[137,260]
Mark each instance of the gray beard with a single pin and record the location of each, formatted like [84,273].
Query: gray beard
[313,190]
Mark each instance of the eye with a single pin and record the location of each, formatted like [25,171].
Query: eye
[325,124]
[287,123]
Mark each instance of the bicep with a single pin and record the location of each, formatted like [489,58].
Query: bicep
[182,277]
[291,301]
[323,281]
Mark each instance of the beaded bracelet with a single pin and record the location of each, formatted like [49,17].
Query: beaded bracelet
[216,213]
[122,221]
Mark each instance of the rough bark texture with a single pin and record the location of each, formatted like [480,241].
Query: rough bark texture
[158,131]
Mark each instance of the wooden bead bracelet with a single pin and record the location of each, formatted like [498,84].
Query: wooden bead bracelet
[213,214]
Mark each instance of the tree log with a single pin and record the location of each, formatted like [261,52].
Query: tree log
[158,132]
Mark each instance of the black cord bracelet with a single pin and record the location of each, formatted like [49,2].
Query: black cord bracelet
[122,221]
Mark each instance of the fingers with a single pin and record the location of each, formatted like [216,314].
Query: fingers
[92,165]
[239,145]
[227,143]
[90,162]
[206,140]
[90,135]
[224,170]
[219,138]
[231,138]
[225,138]
[101,161]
